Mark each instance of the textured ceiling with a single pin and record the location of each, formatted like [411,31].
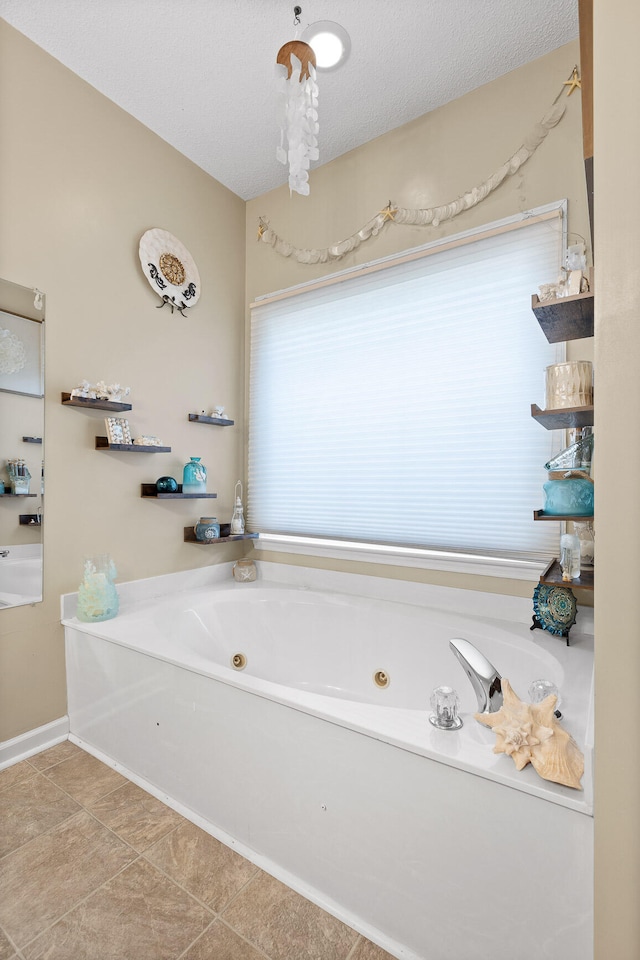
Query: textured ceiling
[200,73]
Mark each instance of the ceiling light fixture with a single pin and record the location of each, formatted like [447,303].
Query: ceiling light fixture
[330,42]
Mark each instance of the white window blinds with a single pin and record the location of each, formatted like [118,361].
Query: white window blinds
[394,407]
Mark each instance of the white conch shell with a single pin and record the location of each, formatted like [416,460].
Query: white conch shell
[530,733]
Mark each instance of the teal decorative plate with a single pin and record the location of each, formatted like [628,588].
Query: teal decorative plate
[554,609]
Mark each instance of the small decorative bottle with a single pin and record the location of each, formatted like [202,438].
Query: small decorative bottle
[237,520]
[97,595]
[194,477]
[570,556]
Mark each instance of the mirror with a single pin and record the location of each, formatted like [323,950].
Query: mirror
[21,443]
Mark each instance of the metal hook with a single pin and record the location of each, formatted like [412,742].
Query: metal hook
[296,15]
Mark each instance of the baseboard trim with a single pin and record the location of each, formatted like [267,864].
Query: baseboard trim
[33,741]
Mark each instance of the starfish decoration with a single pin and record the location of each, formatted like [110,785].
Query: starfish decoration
[388,213]
[262,227]
[574,82]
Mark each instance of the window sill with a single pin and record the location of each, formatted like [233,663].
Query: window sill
[403,556]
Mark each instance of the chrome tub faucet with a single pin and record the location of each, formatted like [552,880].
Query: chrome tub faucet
[485,679]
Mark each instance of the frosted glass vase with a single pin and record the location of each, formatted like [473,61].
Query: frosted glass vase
[97,595]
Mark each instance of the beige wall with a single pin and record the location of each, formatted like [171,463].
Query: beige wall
[427,162]
[80,182]
[617,213]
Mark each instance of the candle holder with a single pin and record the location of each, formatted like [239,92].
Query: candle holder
[569,384]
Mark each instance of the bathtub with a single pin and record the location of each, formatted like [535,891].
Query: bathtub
[21,574]
[289,718]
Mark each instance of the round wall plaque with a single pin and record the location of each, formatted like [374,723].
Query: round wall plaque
[170,269]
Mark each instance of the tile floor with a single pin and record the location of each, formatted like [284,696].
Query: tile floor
[94,868]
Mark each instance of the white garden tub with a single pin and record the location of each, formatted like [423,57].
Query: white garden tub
[20,574]
[425,840]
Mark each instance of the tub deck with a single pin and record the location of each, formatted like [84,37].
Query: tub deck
[364,808]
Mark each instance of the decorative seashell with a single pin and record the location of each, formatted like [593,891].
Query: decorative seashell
[531,733]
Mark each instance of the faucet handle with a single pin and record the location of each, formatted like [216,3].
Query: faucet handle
[445,703]
[539,689]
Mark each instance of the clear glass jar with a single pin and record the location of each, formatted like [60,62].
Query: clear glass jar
[570,556]
[586,535]
[97,595]
[244,571]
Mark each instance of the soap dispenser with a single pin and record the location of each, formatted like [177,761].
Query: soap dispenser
[237,520]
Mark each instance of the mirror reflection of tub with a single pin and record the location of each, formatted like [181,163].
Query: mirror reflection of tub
[20,574]
[21,443]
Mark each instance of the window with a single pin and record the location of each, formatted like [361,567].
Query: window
[393,406]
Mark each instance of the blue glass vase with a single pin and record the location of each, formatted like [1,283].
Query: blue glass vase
[97,595]
[194,477]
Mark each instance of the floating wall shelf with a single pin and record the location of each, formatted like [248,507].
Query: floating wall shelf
[102,443]
[190,537]
[218,421]
[565,418]
[16,495]
[32,439]
[88,404]
[579,518]
[552,576]
[29,520]
[569,318]
[149,492]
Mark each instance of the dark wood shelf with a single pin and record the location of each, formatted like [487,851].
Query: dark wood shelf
[18,495]
[553,577]
[102,443]
[190,537]
[149,492]
[541,515]
[29,520]
[32,439]
[88,404]
[219,421]
[563,418]
[569,318]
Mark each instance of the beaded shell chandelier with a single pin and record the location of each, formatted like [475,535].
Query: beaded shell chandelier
[298,94]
